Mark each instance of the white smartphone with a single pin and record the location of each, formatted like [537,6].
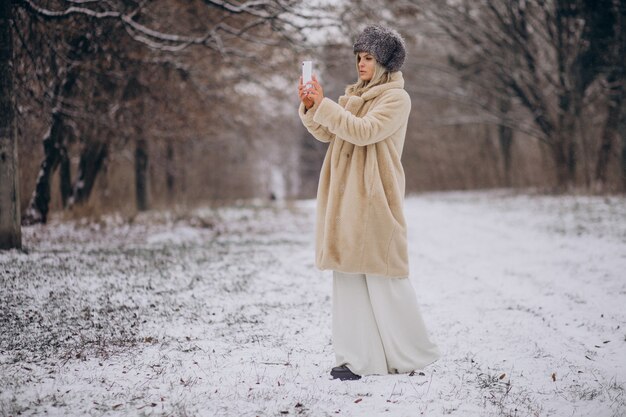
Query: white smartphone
[307,72]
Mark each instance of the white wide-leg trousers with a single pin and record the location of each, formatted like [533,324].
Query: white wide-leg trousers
[377,325]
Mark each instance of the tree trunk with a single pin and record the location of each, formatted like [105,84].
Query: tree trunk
[610,132]
[132,96]
[622,119]
[169,172]
[573,138]
[10,228]
[570,93]
[560,151]
[505,137]
[65,171]
[622,134]
[564,148]
[614,127]
[38,207]
[54,147]
[91,160]
[141,174]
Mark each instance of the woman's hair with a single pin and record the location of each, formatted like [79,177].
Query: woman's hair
[381,76]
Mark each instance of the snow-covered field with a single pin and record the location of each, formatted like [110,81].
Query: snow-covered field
[221,312]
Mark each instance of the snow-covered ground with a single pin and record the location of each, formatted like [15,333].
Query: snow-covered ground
[222,312]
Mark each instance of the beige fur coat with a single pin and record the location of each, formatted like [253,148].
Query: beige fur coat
[360,220]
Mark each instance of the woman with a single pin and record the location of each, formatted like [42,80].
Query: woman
[361,231]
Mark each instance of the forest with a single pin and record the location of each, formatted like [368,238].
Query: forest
[126,106]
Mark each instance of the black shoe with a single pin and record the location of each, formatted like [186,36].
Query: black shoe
[343,373]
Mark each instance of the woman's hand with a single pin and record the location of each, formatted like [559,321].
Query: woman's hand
[303,92]
[316,92]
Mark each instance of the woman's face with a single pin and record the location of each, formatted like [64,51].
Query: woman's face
[366,65]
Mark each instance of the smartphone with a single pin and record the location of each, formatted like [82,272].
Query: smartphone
[307,72]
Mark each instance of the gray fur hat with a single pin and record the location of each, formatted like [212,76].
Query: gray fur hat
[384,43]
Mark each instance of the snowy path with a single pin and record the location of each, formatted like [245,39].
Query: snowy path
[221,312]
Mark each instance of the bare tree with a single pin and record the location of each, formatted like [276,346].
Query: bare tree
[10,233]
[541,53]
[232,32]
[612,30]
[55,139]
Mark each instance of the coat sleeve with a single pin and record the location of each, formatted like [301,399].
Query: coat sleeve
[318,131]
[380,122]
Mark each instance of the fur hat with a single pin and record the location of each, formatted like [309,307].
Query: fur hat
[385,44]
